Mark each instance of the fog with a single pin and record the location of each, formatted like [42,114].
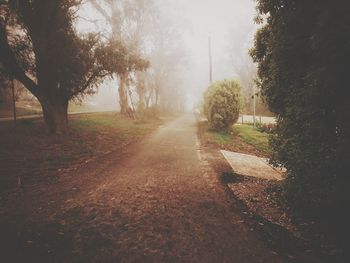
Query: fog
[187,24]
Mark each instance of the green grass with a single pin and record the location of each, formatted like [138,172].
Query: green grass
[105,120]
[118,127]
[28,151]
[221,138]
[242,138]
[252,136]
[25,108]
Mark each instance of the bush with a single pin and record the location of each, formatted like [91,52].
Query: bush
[266,127]
[222,103]
[302,59]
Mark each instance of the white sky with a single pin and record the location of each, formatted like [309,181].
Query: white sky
[228,22]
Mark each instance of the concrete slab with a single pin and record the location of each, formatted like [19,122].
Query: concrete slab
[250,165]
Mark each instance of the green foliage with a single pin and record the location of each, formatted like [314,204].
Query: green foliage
[114,57]
[41,49]
[303,53]
[241,138]
[220,137]
[222,103]
[266,127]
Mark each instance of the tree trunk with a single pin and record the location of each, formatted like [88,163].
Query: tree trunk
[157,96]
[55,113]
[148,100]
[141,104]
[140,88]
[123,95]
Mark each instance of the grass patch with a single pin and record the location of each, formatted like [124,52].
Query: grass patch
[250,135]
[242,138]
[220,137]
[7,111]
[29,152]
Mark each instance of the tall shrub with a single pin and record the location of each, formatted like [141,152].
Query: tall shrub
[222,103]
[303,53]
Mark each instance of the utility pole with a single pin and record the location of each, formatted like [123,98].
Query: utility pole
[254,105]
[13,99]
[210,61]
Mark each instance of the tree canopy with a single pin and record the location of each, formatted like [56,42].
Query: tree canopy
[149,31]
[302,51]
[41,48]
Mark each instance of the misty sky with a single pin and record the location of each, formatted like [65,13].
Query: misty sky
[230,23]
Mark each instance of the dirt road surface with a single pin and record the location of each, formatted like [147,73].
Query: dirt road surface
[158,202]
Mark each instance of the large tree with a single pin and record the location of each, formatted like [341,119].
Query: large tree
[302,51]
[168,57]
[127,20]
[40,48]
[117,59]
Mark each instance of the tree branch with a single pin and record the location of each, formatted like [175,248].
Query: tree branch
[8,59]
[94,75]
[99,8]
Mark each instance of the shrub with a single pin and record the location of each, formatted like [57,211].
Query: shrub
[302,54]
[222,102]
[266,127]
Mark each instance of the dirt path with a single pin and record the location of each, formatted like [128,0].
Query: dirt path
[161,203]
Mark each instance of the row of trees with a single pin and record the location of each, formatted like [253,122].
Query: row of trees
[150,31]
[302,51]
[41,48]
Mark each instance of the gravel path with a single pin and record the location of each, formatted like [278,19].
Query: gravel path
[162,203]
